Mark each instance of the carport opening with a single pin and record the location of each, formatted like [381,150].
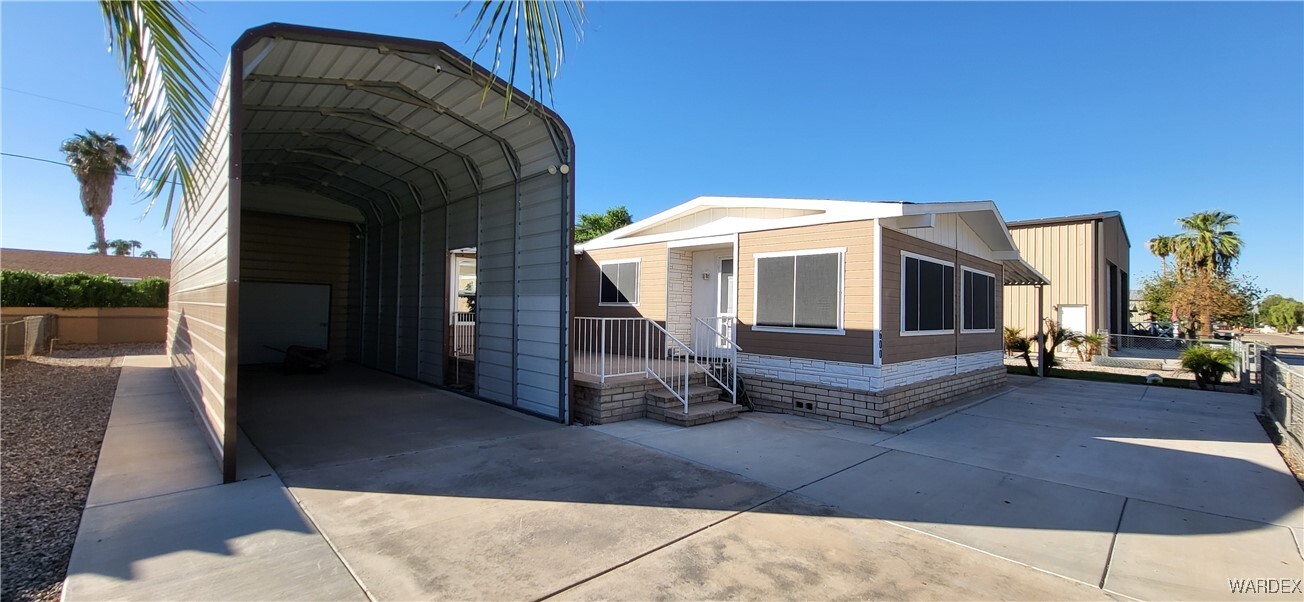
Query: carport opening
[391,216]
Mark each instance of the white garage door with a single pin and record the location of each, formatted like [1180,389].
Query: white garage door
[275,315]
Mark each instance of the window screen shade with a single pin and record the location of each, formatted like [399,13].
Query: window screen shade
[979,301]
[928,295]
[620,283]
[798,291]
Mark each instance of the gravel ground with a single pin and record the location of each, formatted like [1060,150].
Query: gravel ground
[1074,364]
[53,411]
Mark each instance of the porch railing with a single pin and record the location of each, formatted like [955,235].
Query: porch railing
[606,348]
[463,323]
[716,352]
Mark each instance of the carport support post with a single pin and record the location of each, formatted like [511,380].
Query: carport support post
[1041,334]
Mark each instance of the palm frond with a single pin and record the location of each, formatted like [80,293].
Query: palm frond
[536,24]
[168,85]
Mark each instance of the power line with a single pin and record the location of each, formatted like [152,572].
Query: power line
[62,164]
[67,102]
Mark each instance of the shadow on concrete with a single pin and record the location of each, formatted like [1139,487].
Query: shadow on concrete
[360,430]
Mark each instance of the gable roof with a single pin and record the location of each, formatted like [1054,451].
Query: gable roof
[1071,219]
[57,262]
[714,220]
[708,216]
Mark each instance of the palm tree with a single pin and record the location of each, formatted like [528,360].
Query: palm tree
[149,254]
[1206,243]
[96,161]
[1162,246]
[124,248]
[167,90]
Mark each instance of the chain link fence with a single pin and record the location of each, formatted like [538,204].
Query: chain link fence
[28,336]
[1283,401]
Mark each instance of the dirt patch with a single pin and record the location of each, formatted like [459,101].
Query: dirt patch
[55,409]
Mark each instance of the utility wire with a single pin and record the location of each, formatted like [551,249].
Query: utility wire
[67,102]
[62,164]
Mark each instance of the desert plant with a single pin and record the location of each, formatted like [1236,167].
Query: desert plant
[1091,344]
[1019,346]
[1077,343]
[1056,335]
[1208,364]
[1012,336]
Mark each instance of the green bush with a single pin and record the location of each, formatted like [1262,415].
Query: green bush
[1209,364]
[151,292]
[21,288]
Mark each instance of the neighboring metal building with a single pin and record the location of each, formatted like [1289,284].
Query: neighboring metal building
[345,170]
[1085,258]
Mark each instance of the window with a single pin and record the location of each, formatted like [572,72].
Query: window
[725,296]
[801,290]
[927,295]
[619,283]
[978,301]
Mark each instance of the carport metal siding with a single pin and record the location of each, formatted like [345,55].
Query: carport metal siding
[399,129]
[198,317]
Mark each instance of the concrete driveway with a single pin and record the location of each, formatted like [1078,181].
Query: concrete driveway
[386,489]
[1054,489]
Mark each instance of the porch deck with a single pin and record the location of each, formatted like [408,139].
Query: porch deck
[589,367]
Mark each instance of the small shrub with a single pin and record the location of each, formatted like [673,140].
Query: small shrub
[1208,364]
[1012,336]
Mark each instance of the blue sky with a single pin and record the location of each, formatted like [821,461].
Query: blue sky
[1155,110]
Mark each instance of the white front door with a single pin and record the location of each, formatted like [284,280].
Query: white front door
[1073,317]
[715,296]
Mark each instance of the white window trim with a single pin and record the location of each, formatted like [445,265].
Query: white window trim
[756,272]
[918,333]
[964,330]
[638,281]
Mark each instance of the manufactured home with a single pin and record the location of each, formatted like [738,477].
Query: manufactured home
[355,186]
[854,312]
[1086,259]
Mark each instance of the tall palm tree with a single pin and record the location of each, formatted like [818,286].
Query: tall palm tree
[96,161]
[1162,246]
[1207,244]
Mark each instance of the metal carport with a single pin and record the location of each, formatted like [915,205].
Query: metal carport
[381,154]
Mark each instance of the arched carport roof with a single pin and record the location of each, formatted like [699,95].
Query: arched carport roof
[391,126]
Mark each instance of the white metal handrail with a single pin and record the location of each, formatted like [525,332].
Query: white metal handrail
[717,353]
[608,347]
[675,371]
[612,347]
[463,323]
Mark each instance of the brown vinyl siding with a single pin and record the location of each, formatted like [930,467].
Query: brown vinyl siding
[279,248]
[857,344]
[651,282]
[1064,253]
[902,348]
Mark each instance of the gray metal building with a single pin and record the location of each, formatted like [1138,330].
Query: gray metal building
[344,171]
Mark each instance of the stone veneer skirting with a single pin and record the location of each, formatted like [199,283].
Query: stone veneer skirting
[604,403]
[863,377]
[862,408]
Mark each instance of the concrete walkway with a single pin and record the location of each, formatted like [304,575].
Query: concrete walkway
[393,490]
[159,526]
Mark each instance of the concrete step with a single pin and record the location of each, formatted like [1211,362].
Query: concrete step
[702,413]
[697,394]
